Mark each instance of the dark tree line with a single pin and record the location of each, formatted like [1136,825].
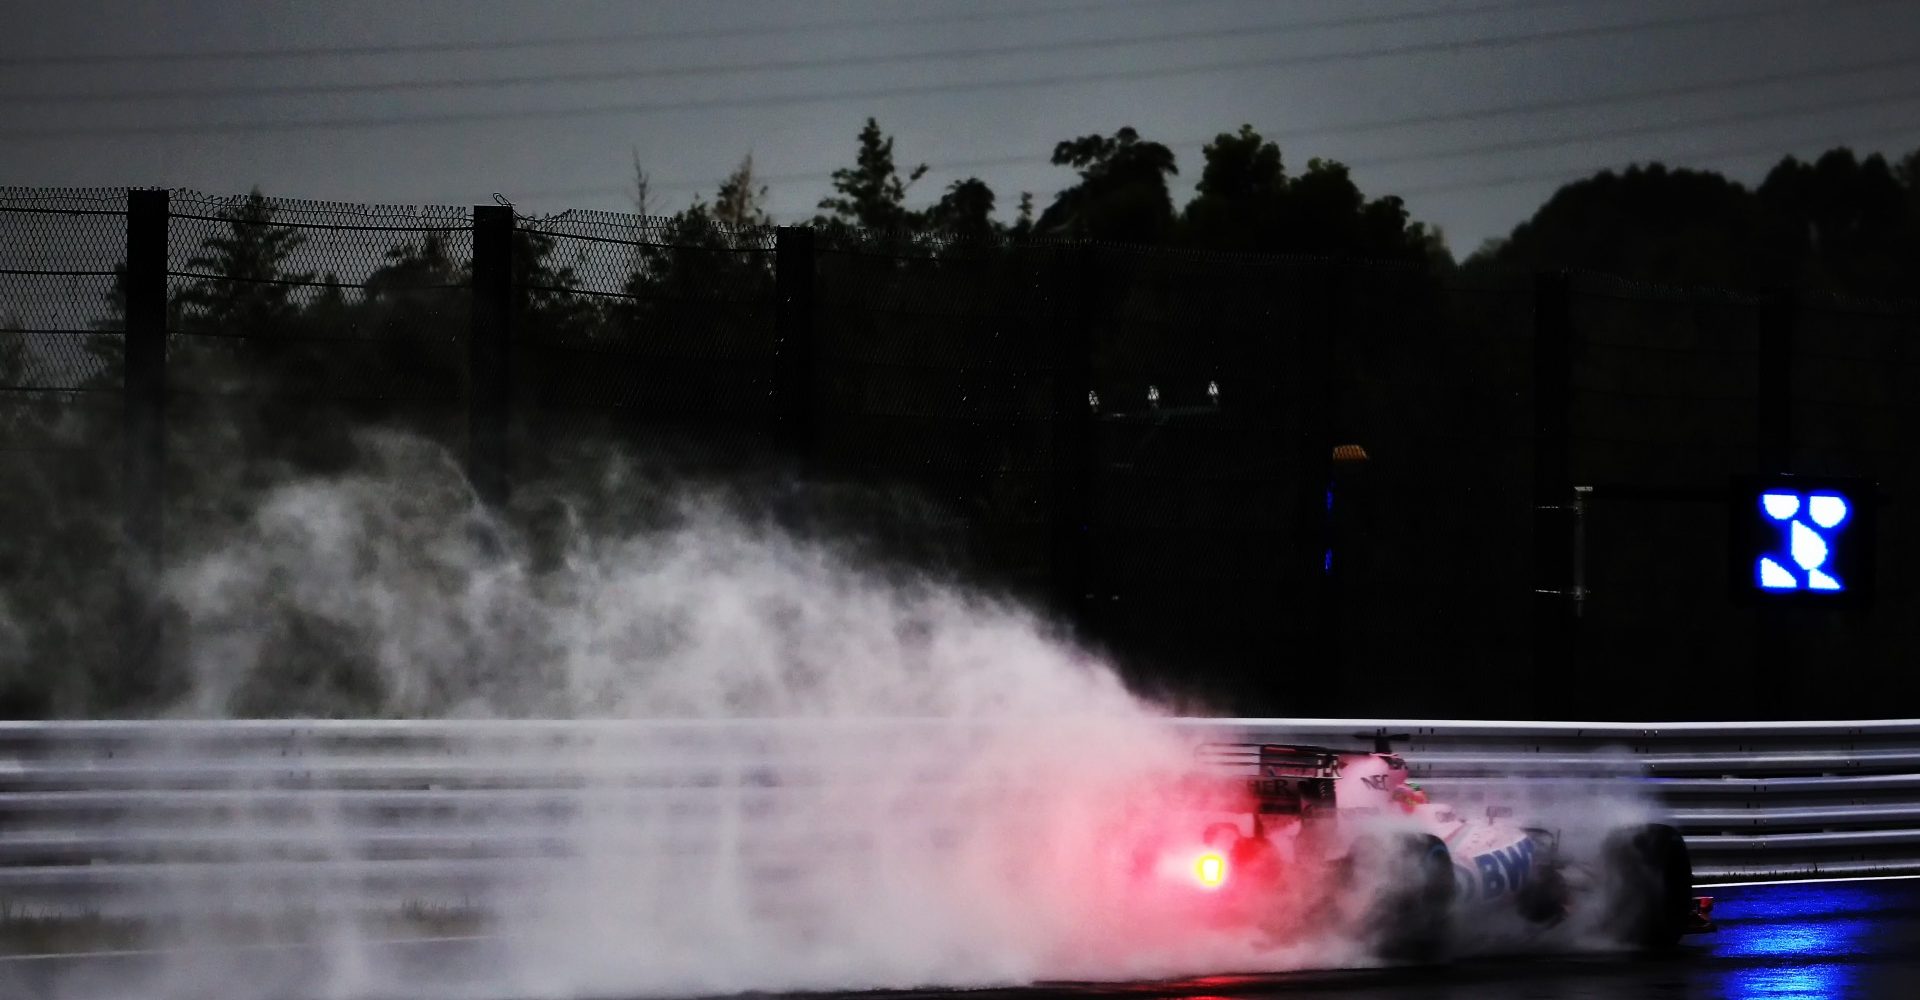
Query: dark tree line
[1123,193]
[1841,223]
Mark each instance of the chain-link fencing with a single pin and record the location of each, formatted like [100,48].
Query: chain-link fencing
[60,445]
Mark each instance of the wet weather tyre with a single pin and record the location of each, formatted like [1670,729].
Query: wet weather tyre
[1413,917]
[1649,886]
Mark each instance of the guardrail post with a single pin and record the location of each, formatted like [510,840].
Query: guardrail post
[489,353]
[144,393]
[793,284]
[1553,521]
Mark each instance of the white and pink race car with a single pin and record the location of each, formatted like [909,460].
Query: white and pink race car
[1296,838]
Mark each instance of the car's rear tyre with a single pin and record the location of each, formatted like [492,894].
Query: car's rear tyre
[1648,886]
[1411,919]
[1543,896]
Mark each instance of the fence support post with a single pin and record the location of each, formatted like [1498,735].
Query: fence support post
[1072,432]
[1553,521]
[144,392]
[793,280]
[489,353]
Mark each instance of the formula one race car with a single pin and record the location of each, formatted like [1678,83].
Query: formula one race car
[1303,837]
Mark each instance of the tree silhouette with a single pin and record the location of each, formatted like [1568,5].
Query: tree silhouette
[1246,202]
[871,194]
[1122,193]
[1645,223]
[414,265]
[1909,173]
[1839,223]
[741,202]
[246,286]
[965,211]
[1240,189]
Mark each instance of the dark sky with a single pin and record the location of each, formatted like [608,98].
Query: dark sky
[1473,110]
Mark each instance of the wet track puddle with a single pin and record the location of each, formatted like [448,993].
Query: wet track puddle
[1859,939]
[1785,942]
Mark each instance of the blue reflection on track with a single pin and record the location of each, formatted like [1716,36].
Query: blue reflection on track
[1811,920]
[1809,981]
[1807,921]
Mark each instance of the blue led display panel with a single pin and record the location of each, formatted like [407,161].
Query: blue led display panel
[1802,540]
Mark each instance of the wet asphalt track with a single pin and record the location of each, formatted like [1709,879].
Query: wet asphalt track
[1848,939]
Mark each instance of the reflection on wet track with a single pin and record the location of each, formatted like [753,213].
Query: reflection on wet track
[1849,939]
[1810,940]
[1846,939]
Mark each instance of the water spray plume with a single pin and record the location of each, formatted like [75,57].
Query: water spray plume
[788,766]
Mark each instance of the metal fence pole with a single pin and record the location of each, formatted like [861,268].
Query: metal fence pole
[489,353]
[1552,492]
[793,282]
[144,393]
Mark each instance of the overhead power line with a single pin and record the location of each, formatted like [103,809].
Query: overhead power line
[624,75]
[1744,13]
[1444,118]
[1849,103]
[1564,175]
[1025,12]
[1051,47]
[1761,148]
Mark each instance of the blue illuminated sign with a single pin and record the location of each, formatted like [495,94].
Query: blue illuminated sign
[1805,539]
[1810,523]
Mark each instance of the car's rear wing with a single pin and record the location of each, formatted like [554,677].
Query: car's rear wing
[1284,779]
[1270,759]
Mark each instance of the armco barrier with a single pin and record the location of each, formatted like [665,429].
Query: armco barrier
[147,819]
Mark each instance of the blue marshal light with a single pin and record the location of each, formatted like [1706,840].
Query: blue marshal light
[1801,540]
[1807,540]
[1827,510]
[1774,576]
[1780,506]
[1809,549]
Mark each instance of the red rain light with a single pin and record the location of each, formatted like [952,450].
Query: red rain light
[1210,870]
